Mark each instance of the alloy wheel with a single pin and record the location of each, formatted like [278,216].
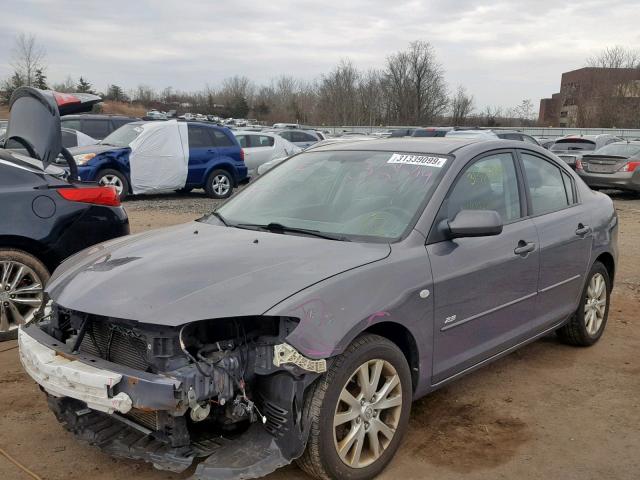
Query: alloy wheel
[595,304]
[368,413]
[21,294]
[112,181]
[220,185]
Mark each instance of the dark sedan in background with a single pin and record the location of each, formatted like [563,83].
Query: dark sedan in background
[46,217]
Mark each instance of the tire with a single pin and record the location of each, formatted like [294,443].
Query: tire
[585,328]
[112,177]
[33,272]
[321,458]
[216,182]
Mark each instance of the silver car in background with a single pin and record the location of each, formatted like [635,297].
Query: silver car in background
[572,147]
[616,165]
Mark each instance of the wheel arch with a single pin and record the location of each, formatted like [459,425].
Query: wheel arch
[609,263]
[32,247]
[402,337]
[222,165]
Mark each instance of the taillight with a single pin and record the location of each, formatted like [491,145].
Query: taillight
[242,154]
[629,167]
[96,195]
[578,164]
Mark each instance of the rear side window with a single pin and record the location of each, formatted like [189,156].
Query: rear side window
[303,137]
[118,122]
[69,139]
[547,185]
[261,141]
[242,140]
[221,140]
[287,136]
[96,128]
[199,137]
[74,124]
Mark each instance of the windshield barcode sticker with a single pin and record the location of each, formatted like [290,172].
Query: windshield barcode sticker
[437,162]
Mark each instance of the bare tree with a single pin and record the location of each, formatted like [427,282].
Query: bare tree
[461,106]
[415,84]
[27,57]
[615,57]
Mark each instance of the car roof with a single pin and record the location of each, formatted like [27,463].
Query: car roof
[94,116]
[437,145]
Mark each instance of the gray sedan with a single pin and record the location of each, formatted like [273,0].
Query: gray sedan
[615,166]
[301,319]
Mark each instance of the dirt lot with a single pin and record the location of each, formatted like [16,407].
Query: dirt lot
[547,411]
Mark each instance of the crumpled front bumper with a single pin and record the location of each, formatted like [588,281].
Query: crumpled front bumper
[65,377]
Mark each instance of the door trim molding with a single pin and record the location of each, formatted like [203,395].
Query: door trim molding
[487,312]
[498,355]
[551,287]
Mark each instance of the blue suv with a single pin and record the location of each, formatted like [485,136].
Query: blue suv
[156,157]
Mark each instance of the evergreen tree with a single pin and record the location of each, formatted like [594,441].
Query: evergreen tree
[84,86]
[40,80]
[10,84]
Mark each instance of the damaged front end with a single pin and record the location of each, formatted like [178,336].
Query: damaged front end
[231,390]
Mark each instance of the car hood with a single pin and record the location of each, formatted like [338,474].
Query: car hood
[199,271]
[98,148]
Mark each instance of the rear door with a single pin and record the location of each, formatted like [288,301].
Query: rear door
[484,287]
[261,151]
[201,151]
[563,226]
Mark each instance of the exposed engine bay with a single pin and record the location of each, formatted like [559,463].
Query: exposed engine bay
[187,391]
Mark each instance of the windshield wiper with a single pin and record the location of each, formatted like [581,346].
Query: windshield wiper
[279,228]
[220,217]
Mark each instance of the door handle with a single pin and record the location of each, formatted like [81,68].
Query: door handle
[583,230]
[524,248]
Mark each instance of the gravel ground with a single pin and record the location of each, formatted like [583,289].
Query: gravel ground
[546,411]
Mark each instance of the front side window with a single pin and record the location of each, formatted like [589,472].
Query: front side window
[487,184]
[547,187]
[367,196]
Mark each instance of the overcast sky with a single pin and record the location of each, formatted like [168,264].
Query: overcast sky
[502,51]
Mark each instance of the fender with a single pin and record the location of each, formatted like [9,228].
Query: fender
[225,163]
[114,159]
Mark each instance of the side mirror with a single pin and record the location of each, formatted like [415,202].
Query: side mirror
[475,223]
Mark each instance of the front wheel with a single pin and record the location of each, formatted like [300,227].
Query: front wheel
[113,178]
[358,411]
[587,324]
[219,184]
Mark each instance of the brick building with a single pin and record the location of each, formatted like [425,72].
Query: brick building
[593,97]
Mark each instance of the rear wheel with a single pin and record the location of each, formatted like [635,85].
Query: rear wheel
[587,324]
[113,178]
[219,184]
[22,280]
[358,411]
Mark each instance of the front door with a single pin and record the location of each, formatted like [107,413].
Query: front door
[484,288]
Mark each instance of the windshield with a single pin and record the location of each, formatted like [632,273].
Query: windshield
[361,195]
[572,144]
[123,136]
[619,149]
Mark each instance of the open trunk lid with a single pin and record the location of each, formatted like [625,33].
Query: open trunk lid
[34,120]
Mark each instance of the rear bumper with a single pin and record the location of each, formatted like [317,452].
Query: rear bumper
[619,180]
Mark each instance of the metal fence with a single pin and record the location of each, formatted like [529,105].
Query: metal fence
[544,132]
